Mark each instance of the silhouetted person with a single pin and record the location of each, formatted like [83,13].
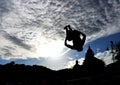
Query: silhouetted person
[78,38]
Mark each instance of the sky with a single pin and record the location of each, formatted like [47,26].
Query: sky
[31,31]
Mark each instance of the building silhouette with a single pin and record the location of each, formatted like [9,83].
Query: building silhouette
[76,66]
[91,64]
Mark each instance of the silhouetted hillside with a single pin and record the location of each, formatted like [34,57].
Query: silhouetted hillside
[12,72]
[92,72]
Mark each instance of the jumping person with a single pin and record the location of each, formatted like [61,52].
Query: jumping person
[75,37]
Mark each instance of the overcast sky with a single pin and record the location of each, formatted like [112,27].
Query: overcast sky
[31,31]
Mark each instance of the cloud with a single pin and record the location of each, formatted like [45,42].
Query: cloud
[28,25]
[5,7]
[71,63]
[15,40]
[106,56]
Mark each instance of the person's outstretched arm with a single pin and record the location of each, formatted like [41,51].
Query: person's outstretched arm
[84,37]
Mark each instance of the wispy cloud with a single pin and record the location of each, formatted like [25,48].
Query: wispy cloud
[106,56]
[15,40]
[70,64]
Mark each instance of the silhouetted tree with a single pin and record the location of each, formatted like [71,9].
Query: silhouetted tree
[107,49]
[113,50]
[118,51]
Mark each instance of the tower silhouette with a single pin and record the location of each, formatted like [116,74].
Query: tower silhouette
[91,64]
[76,66]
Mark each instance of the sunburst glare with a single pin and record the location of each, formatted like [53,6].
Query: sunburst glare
[51,50]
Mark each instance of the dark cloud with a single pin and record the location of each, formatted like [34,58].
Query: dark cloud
[19,42]
[7,52]
[16,41]
[5,6]
[9,47]
[96,14]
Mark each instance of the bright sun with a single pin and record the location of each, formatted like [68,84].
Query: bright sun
[51,50]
